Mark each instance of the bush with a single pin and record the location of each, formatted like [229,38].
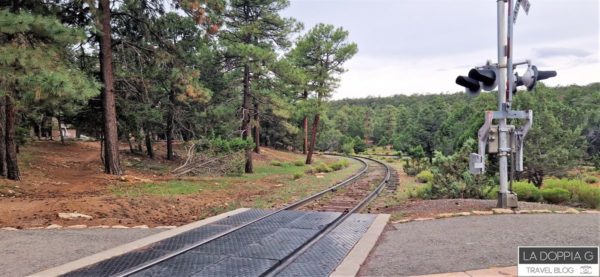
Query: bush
[359,145]
[299,163]
[324,168]
[425,177]
[310,170]
[298,176]
[492,193]
[424,192]
[590,179]
[348,148]
[556,195]
[527,191]
[278,163]
[451,176]
[579,191]
[412,170]
[589,196]
[224,146]
[339,165]
[573,186]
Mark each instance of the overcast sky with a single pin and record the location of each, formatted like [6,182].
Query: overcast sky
[420,46]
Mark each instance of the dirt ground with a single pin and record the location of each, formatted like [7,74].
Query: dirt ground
[59,178]
[410,208]
[430,208]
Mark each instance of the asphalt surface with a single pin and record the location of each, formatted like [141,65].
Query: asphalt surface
[29,251]
[474,242]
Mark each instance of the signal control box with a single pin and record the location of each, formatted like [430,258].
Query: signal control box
[493,144]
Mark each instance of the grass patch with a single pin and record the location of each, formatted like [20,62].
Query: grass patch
[171,188]
[425,177]
[580,191]
[527,191]
[296,189]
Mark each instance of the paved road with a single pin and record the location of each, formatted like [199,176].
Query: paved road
[28,251]
[473,242]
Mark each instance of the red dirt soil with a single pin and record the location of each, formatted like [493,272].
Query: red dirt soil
[60,178]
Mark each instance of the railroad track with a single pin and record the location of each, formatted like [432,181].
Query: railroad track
[345,198]
[354,194]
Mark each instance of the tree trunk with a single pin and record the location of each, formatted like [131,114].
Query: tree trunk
[305,126]
[256,128]
[60,129]
[246,118]
[149,149]
[12,167]
[138,141]
[313,139]
[39,127]
[111,140]
[2,137]
[536,177]
[50,129]
[131,150]
[170,119]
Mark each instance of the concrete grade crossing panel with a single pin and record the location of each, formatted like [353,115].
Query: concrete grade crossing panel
[249,251]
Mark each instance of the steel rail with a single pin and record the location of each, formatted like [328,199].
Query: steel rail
[294,205]
[277,268]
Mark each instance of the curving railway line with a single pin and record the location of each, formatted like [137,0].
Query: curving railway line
[345,198]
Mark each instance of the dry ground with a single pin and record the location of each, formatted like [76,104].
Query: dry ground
[401,206]
[68,178]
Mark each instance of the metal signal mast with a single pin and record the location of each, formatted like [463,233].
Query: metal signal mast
[503,139]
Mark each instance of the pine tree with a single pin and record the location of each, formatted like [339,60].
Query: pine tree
[34,68]
[255,30]
[322,52]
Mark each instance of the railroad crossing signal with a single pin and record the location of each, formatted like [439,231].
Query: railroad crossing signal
[477,79]
[486,78]
[532,75]
[508,138]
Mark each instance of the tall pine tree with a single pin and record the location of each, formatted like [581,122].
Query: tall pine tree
[322,52]
[255,30]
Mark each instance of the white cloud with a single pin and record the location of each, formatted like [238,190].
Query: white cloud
[421,46]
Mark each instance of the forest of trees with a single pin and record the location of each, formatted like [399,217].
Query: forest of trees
[565,131]
[147,70]
[139,71]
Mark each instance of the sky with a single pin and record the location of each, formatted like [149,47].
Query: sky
[421,46]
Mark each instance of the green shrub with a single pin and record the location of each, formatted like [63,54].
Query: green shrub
[492,193]
[276,163]
[424,192]
[579,191]
[223,146]
[298,176]
[590,179]
[324,168]
[299,163]
[310,170]
[425,177]
[339,165]
[359,145]
[526,191]
[572,185]
[589,196]
[412,170]
[336,166]
[556,195]
[348,148]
